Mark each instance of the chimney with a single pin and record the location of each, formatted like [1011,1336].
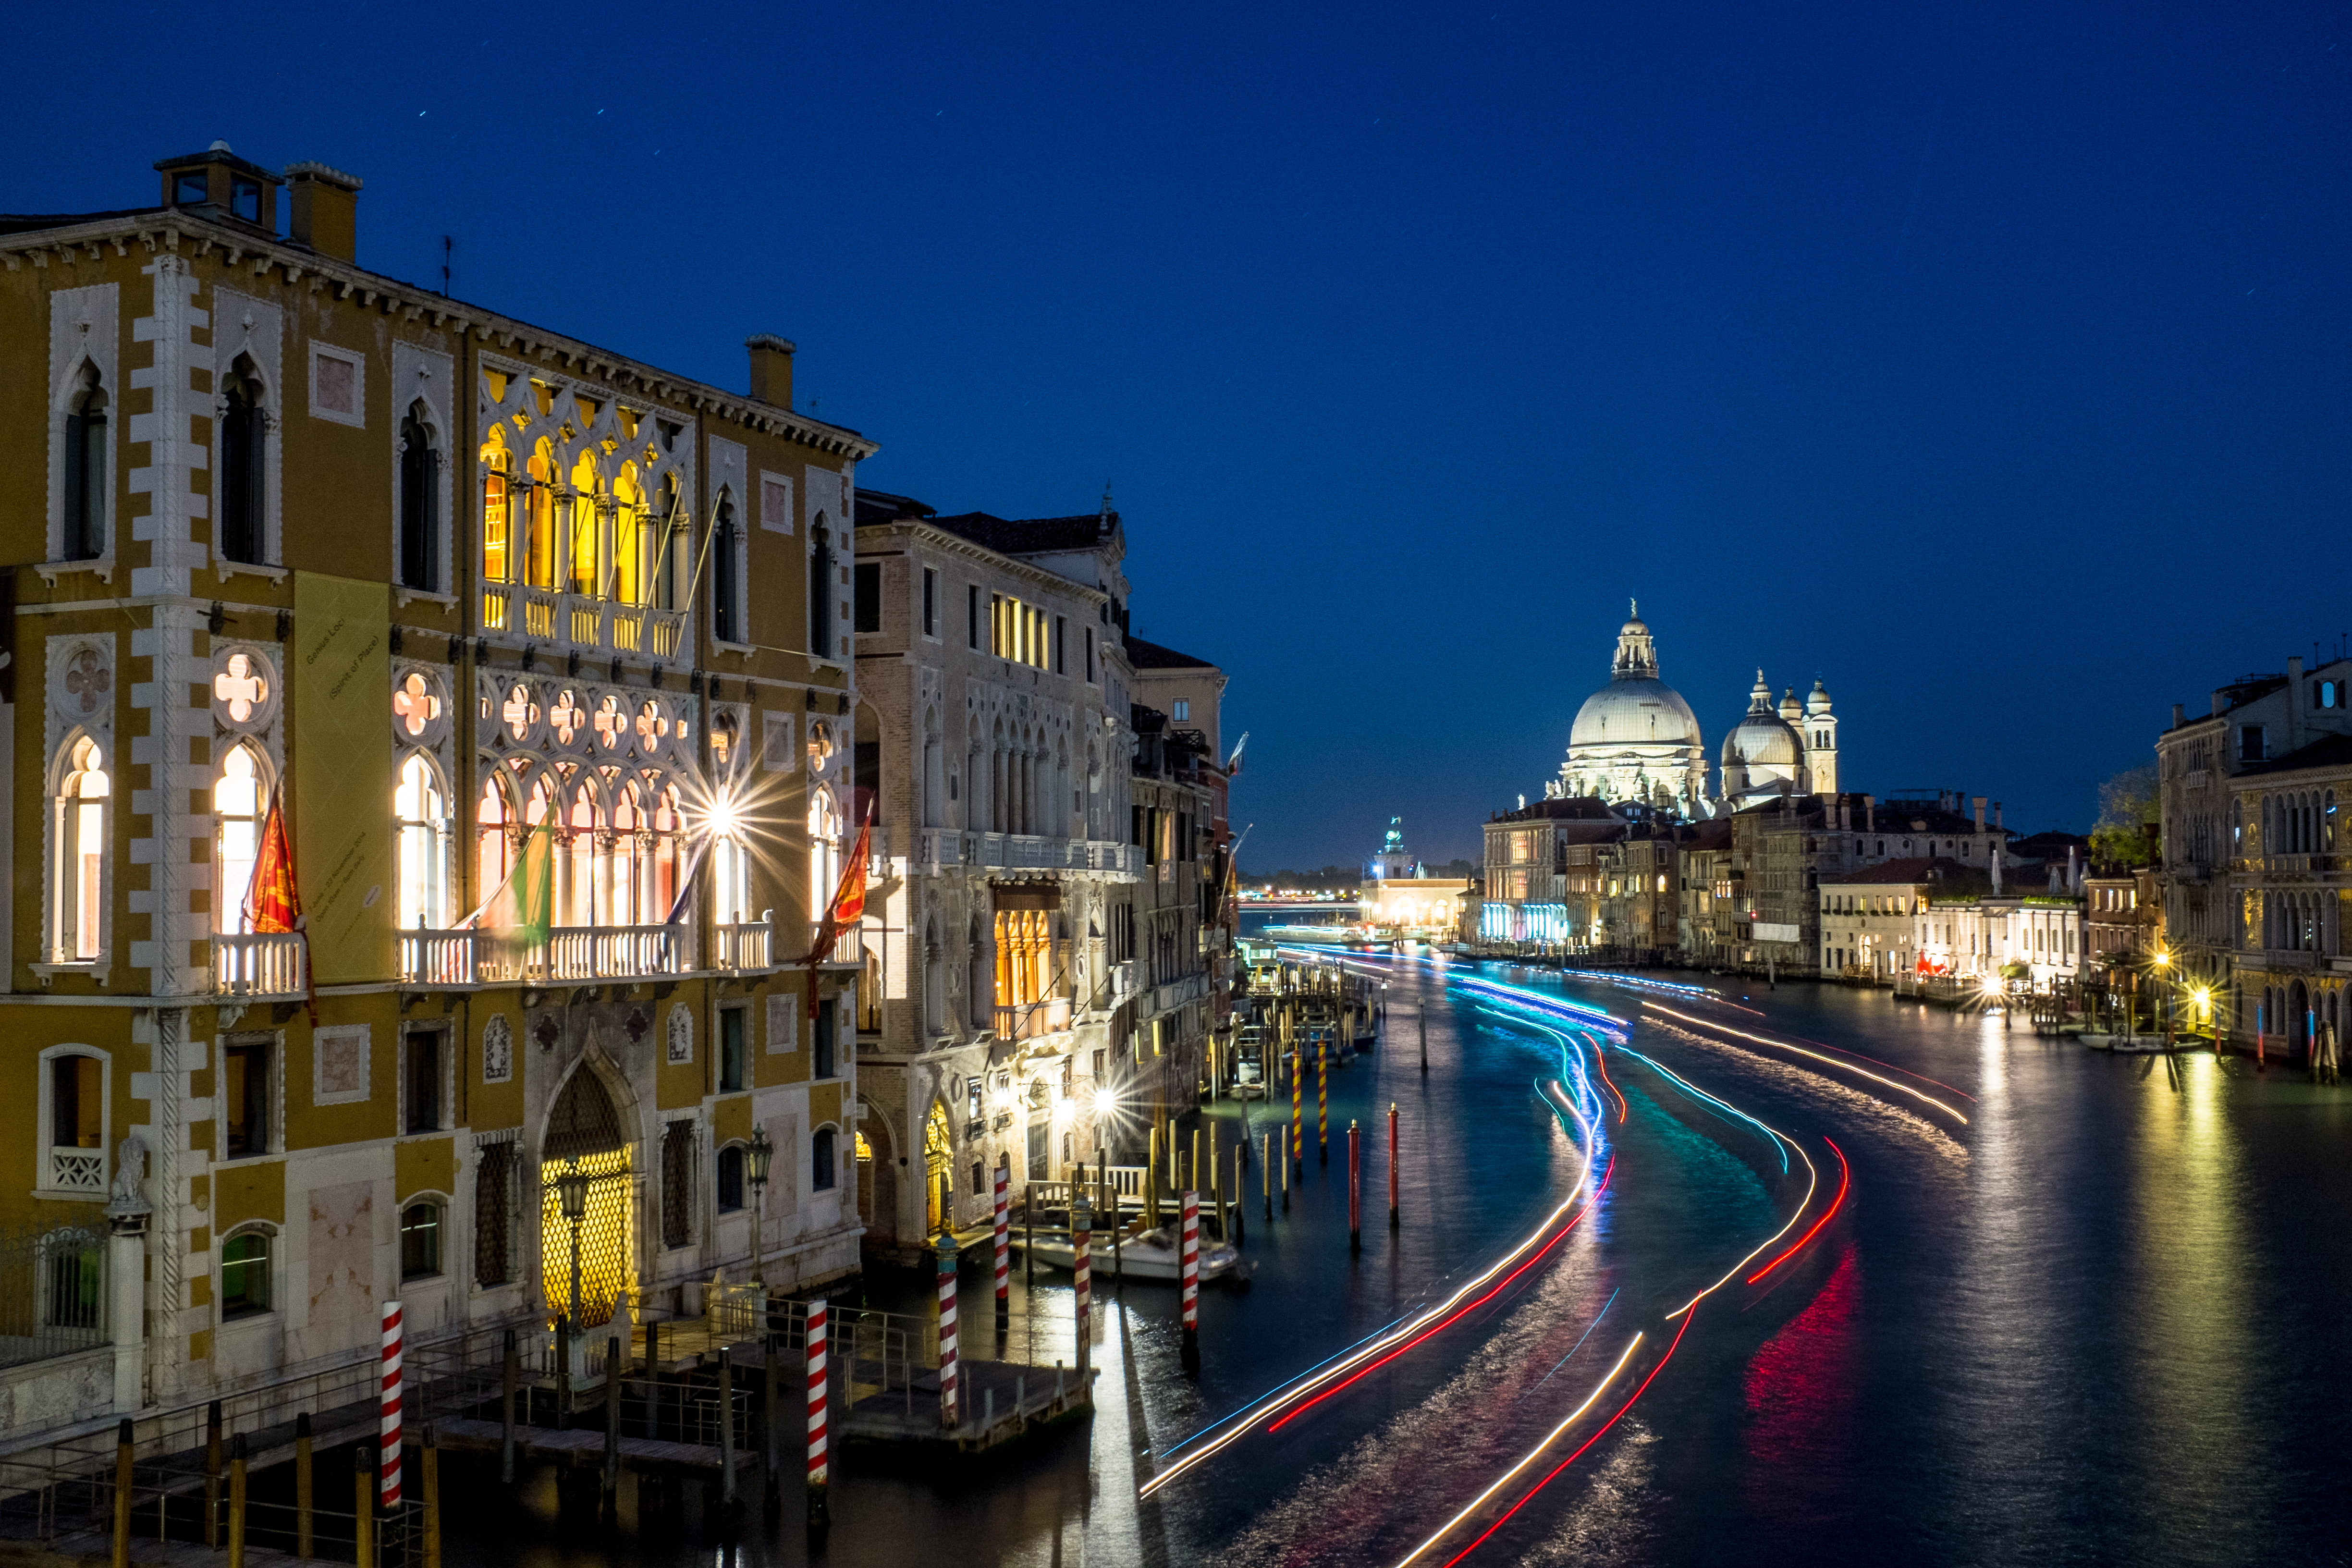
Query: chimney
[1979,802]
[1996,871]
[2221,703]
[2180,714]
[1996,813]
[771,370]
[2073,872]
[1870,813]
[326,210]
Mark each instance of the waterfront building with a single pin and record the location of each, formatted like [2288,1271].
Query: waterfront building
[1703,922]
[1000,948]
[1870,927]
[1190,692]
[2254,899]
[1183,920]
[2032,939]
[1536,856]
[559,745]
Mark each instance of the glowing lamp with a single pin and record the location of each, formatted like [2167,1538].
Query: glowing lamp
[572,1192]
[757,1155]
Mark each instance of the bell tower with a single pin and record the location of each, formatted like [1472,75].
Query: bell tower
[1819,727]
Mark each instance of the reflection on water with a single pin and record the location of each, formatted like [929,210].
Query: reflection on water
[2108,1334]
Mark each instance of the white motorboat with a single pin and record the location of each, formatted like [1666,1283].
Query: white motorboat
[1149,1255]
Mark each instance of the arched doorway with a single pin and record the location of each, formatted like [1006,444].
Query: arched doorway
[2298,1004]
[878,1178]
[583,1135]
[938,1193]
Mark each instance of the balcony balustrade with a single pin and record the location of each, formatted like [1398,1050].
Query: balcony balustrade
[258,965]
[945,846]
[581,620]
[1033,1020]
[746,946]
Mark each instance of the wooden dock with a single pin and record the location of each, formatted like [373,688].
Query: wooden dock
[578,1443]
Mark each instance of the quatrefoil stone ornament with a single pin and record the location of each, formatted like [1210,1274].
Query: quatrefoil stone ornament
[611,723]
[519,713]
[651,725]
[239,689]
[414,704]
[566,717]
[88,681]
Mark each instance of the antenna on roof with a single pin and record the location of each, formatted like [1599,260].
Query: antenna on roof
[448,244]
[1106,505]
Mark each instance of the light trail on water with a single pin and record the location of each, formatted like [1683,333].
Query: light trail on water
[1952,1111]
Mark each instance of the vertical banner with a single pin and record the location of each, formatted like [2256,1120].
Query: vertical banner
[340,683]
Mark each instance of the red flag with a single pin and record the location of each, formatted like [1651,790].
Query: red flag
[271,902]
[847,907]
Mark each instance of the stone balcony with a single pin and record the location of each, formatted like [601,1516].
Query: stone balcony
[525,613]
[262,968]
[944,848]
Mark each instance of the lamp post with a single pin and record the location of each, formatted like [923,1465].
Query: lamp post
[572,1192]
[757,1155]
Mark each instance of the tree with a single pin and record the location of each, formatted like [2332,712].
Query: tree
[2127,808]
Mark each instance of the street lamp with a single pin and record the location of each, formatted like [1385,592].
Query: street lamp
[572,1192]
[757,1155]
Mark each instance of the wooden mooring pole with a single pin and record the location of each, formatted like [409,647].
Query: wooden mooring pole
[509,1376]
[726,1427]
[430,1461]
[237,1503]
[122,1450]
[614,1366]
[213,1474]
[305,1521]
[363,1503]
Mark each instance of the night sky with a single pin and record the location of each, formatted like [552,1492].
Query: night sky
[1988,361]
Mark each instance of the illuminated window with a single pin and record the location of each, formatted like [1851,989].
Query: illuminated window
[493,835]
[584,540]
[236,829]
[421,814]
[77,883]
[497,515]
[824,851]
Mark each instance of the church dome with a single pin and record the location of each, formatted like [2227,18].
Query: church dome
[1761,739]
[1634,711]
[1818,702]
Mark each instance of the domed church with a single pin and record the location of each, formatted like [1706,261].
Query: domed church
[1636,741]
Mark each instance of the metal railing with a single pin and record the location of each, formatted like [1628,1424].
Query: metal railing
[258,964]
[52,1292]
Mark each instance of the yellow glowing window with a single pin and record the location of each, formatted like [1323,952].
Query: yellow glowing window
[606,1237]
[584,530]
[497,515]
[865,1150]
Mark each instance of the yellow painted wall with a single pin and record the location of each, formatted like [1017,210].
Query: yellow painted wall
[424,1166]
[248,1189]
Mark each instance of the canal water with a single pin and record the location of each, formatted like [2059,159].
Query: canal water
[2104,1320]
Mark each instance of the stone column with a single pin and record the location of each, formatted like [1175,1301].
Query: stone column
[127,1214]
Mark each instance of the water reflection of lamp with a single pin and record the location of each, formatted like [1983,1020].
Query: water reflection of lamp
[571,1195]
[757,1155]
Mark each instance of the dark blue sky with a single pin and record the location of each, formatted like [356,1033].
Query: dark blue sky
[1989,362]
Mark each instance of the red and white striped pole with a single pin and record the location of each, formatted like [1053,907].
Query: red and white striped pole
[1082,1268]
[947,1254]
[1191,1233]
[1004,1241]
[819,1514]
[388,1451]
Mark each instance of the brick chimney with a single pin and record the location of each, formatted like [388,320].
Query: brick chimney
[1979,802]
[1870,813]
[326,210]
[771,370]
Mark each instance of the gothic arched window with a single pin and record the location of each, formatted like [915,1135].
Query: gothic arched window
[420,504]
[237,833]
[421,810]
[87,486]
[77,883]
[820,599]
[238,490]
[726,591]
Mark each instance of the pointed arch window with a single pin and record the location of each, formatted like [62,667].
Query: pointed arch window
[420,808]
[498,556]
[493,831]
[420,504]
[820,598]
[726,590]
[585,536]
[237,804]
[79,831]
[86,485]
[824,851]
[536,519]
[244,437]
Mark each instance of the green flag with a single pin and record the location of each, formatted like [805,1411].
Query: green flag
[522,910]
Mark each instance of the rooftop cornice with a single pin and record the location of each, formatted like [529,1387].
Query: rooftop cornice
[920,531]
[179,232]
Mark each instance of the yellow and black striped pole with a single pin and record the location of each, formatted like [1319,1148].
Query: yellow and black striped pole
[1322,1102]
